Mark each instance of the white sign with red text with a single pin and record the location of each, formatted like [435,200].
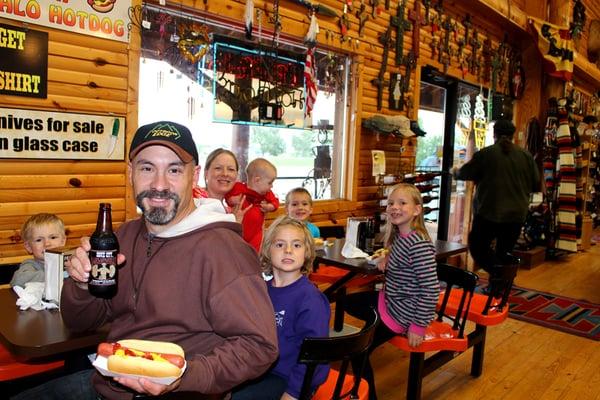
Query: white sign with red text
[103,18]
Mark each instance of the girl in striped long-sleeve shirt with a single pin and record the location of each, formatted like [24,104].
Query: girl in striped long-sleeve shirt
[407,303]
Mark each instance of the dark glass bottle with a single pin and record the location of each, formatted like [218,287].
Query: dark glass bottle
[361,235]
[370,236]
[427,210]
[427,198]
[422,177]
[426,188]
[377,222]
[103,256]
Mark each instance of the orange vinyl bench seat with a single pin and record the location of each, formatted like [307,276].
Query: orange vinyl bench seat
[438,336]
[11,368]
[327,388]
[475,314]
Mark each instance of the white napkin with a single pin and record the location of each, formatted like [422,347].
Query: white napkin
[31,297]
[351,251]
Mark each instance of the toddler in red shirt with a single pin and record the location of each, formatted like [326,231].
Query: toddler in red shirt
[256,192]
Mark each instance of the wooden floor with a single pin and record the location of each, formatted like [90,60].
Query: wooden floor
[522,361]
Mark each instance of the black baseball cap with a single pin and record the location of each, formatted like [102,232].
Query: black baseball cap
[165,133]
[504,127]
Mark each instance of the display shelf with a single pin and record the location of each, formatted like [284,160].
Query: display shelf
[426,182]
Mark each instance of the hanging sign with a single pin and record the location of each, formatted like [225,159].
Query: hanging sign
[65,136]
[23,62]
[103,18]
[556,45]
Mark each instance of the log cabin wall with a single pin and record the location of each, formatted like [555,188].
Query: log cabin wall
[400,152]
[98,76]
[85,75]
[586,77]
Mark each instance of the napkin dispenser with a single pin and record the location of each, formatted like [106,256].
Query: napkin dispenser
[54,268]
[356,231]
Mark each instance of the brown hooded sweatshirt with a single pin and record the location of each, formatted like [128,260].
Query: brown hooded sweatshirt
[197,285]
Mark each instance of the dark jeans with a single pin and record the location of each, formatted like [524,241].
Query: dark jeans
[483,232]
[77,386]
[361,305]
[267,387]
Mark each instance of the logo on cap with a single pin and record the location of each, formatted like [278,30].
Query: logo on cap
[164,130]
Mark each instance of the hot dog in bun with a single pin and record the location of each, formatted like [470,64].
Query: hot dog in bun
[102,6]
[143,357]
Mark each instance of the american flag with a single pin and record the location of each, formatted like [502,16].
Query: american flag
[310,81]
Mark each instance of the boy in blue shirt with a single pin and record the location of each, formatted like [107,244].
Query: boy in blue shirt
[298,205]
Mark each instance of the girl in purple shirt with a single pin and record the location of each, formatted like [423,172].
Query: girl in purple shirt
[301,310]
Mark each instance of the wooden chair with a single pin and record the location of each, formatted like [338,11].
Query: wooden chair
[486,309]
[11,369]
[446,339]
[339,385]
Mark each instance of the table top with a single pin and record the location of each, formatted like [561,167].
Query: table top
[445,249]
[331,255]
[31,334]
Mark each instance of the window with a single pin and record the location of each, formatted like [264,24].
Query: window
[309,155]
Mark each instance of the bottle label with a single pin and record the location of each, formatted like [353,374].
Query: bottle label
[104,267]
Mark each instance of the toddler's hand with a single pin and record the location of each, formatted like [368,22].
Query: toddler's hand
[266,206]
[235,200]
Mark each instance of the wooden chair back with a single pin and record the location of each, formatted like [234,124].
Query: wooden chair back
[464,282]
[315,351]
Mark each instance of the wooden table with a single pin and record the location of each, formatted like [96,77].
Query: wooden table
[33,334]
[331,254]
[444,249]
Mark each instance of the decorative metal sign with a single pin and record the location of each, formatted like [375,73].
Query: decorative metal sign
[248,64]
[253,86]
[23,62]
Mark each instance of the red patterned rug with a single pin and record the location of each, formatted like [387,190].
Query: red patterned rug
[577,317]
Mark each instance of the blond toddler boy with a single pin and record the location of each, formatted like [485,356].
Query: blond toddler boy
[40,232]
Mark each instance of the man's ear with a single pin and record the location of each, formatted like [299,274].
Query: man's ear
[196,178]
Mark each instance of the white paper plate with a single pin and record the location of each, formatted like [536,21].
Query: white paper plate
[100,363]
